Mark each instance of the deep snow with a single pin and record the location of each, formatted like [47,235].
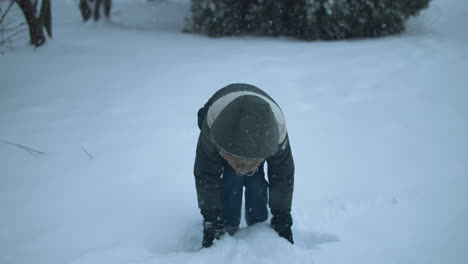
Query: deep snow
[378,130]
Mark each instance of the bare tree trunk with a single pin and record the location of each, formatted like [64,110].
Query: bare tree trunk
[46,16]
[97,10]
[36,24]
[85,10]
[107,7]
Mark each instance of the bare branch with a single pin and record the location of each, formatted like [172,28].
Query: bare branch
[13,20]
[12,36]
[30,150]
[6,11]
[15,28]
[87,153]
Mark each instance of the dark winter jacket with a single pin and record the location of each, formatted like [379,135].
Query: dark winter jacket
[209,164]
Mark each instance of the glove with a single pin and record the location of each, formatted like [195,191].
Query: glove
[212,230]
[281,222]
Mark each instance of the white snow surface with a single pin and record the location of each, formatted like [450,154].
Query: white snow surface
[378,129]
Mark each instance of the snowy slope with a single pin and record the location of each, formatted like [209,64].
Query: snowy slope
[378,131]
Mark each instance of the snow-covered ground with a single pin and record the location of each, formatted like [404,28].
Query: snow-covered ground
[378,130]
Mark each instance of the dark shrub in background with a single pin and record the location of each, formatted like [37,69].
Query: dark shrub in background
[304,19]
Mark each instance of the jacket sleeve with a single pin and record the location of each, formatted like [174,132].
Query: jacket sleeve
[281,178]
[208,171]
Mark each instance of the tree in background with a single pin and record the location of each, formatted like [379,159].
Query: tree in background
[93,8]
[304,19]
[37,19]
[38,16]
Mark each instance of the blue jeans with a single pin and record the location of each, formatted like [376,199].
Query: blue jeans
[256,197]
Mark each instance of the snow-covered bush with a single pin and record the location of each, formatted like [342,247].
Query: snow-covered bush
[305,19]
